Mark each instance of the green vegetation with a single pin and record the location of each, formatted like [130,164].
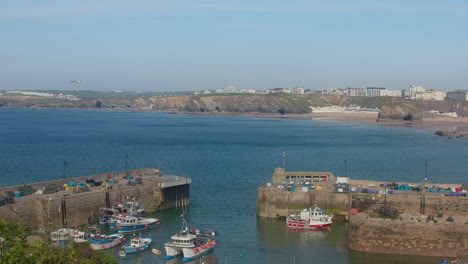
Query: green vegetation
[333,211]
[386,212]
[15,248]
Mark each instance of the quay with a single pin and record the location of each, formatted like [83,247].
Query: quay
[79,205]
[432,221]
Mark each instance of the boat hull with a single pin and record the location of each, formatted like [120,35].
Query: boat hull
[196,252]
[172,252]
[305,224]
[129,250]
[138,226]
[99,243]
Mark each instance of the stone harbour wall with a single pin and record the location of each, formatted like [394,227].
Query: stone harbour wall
[274,203]
[409,236]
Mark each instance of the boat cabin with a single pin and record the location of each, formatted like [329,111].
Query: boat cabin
[183,240]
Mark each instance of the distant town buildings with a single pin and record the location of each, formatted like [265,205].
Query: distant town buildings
[391,93]
[414,92]
[374,91]
[50,95]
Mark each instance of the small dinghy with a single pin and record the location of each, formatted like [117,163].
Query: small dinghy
[156,251]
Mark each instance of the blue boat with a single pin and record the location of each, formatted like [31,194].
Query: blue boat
[133,224]
[137,244]
[99,242]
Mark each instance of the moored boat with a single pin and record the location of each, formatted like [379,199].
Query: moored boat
[100,242]
[310,218]
[83,236]
[106,214]
[133,224]
[204,248]
[80,237]
[183,239]
[137,244]
[63,234]
[191,244]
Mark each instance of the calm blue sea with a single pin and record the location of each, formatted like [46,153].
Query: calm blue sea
[227,158]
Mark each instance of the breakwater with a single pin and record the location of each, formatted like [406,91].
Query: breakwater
[74,206]
[433,218]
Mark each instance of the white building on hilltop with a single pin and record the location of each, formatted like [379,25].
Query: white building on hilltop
[431,96]
[374,91]
[297,90]
[391,93]
[414,89]
[228,89]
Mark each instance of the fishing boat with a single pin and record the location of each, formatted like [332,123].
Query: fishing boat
[189,243]
[106,214]
[116,219]
[83,236]
[133,208]
[133,224]
[310,218]
[183,239]
[198,251]
[80,236]
[137,244]
[126,208]
[100,242]
[63,234]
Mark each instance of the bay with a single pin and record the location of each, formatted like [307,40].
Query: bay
[227,158]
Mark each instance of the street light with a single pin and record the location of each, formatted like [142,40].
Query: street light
[63,175]
[126,164]
[345,168]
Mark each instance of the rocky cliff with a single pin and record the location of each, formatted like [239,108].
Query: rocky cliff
[400,112]
[391,109]
[234,104]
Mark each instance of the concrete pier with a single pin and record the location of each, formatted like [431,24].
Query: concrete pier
[69,208]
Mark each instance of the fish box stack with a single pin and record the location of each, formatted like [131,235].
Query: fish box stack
[26,190]
[49,188]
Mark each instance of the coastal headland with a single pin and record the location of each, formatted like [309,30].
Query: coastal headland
[431,221]
[368,110]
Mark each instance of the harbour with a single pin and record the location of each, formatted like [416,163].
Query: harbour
[226,171]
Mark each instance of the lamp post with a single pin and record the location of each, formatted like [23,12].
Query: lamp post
[284,161]
[63,174]
[345,168]
[126,164]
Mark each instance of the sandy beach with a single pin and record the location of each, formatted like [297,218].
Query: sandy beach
[434,124]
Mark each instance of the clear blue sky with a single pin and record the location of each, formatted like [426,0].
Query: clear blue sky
[179,45]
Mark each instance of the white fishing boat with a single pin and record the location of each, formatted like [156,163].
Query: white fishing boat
[63,234]
[189,243]
[310,218]
[80,236]
[83,236]
[180,240]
